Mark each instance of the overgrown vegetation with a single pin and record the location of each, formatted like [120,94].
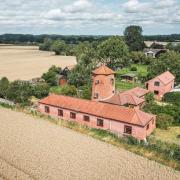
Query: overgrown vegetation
[21,91]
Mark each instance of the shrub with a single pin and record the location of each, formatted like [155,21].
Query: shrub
[69,90]
[172,97]
[133,68]
[51,76]
[164,121]
[4,84]
[41,90]
[20,92]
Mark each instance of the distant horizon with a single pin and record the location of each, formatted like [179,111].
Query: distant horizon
[51,34]
[89,17]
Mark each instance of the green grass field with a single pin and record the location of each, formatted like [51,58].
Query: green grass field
[141,70]
[122,86]
[170,135]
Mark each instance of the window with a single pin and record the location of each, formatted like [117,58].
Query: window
[147,85]
[156,92]
[96,95]
[72,115]
[112,81]
[86,118]
[60,112]
[156,83]
[47,110]
[147,127]
[113,92]
[127,129]
[97,82]
[100,122]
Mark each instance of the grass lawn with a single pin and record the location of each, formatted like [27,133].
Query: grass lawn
[141,70]
[122,86]
[169,135]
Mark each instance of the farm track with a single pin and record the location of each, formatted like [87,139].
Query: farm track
[32,148]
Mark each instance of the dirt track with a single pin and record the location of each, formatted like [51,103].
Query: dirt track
[36,149]
[26,62]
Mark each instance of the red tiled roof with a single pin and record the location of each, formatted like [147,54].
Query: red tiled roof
[99,109]
[137,91]
[165,77]
[103,70]
[123,99]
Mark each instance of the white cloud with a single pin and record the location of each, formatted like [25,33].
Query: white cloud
[78,6]
[87,14]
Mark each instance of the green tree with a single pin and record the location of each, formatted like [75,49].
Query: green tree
[81,75]
[41,90]
[46,46]
[20,92]
[113,52]
[138,57]
[50,77]
[167,61]
[4,84]
[59,47]
[134,38]
[69,90]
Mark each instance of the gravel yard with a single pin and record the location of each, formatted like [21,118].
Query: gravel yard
[36,149]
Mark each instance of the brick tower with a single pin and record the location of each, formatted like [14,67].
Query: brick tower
[103,86]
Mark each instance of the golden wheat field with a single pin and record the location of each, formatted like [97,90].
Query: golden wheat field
[27,62]
[33,148]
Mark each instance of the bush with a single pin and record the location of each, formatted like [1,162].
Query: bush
[164,121]
[69,90]
[41,90]
[133,68]
[172,97]
[4,84]
[51,76]
[20,92]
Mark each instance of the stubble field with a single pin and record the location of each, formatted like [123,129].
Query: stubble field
[36,149]
[27,62]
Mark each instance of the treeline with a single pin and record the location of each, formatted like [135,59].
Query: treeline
[168,38]
[73,39]
[36,39]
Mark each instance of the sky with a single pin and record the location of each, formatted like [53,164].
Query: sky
[89,17]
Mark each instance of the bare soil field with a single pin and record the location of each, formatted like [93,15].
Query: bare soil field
[27,62]
[32,148]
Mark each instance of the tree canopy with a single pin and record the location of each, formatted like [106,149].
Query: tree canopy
[167,61]
[134,38]
[113,52]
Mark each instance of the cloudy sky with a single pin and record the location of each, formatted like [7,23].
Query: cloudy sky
[96,17]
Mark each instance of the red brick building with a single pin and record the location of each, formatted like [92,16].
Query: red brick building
[103,86]
[116,119]
[110,114]
[161,84]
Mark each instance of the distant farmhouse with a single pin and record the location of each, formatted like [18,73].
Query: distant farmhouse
[117,113]
[154,52]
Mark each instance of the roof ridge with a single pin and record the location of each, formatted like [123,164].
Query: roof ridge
[138,115]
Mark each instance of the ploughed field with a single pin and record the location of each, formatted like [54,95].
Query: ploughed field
[37,149]
[27,62]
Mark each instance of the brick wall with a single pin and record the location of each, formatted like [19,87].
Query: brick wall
[113,126]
